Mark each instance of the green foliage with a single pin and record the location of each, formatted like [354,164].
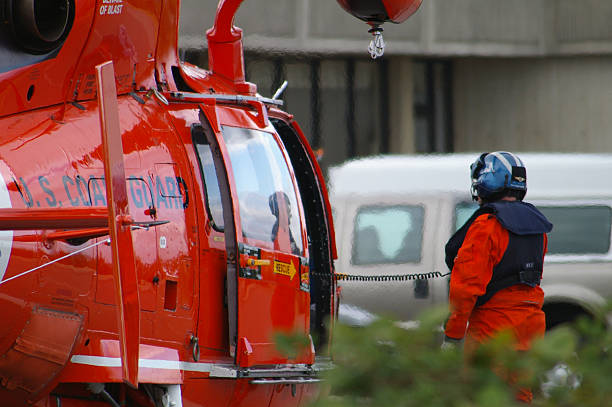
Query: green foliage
[385,365]
[291,345]
[592,363]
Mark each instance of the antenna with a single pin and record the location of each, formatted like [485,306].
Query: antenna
[280,90]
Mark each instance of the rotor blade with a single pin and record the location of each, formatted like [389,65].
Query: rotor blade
[119,221]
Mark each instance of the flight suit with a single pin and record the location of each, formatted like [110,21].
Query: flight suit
[496,261]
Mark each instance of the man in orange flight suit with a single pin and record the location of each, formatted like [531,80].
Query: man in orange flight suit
[496,260]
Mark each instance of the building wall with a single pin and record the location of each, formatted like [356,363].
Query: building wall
[440,27]
[401,105]
[460,75]
[533,104]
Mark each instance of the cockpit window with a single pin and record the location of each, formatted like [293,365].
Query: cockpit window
[268,201]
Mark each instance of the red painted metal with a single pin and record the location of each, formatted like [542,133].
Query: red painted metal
[120,221]
[151,307]
[399,10]
[225,55]
[78,233]
[381,11]
[31,219]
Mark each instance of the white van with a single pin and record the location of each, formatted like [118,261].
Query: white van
[394,214]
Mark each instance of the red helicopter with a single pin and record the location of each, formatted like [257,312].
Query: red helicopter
[159,222]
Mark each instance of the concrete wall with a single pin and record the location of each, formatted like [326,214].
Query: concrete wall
[401,105]
[533,104]
[527,74]
[440,27]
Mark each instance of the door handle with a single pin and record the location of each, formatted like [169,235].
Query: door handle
[421,289]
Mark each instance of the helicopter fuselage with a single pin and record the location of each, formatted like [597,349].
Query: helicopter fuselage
[228,215]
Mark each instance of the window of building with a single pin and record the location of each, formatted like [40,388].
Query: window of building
[341,104]
[433,116]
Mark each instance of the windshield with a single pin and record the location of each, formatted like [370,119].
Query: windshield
[268,200]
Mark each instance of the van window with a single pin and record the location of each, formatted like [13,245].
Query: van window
[388,234]
[578,229]
[463,211]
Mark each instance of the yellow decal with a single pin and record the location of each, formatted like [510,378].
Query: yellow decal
[258,262]
[286,269]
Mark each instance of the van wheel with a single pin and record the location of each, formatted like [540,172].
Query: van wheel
[563,313]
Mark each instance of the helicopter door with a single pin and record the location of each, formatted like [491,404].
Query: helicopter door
[265,289]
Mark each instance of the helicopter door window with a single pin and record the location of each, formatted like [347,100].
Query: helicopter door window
[268,200]
[213,194]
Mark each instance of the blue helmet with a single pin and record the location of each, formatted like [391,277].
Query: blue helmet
[493,174]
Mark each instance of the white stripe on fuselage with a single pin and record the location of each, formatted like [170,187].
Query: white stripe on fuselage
[104,361]
[6,236]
